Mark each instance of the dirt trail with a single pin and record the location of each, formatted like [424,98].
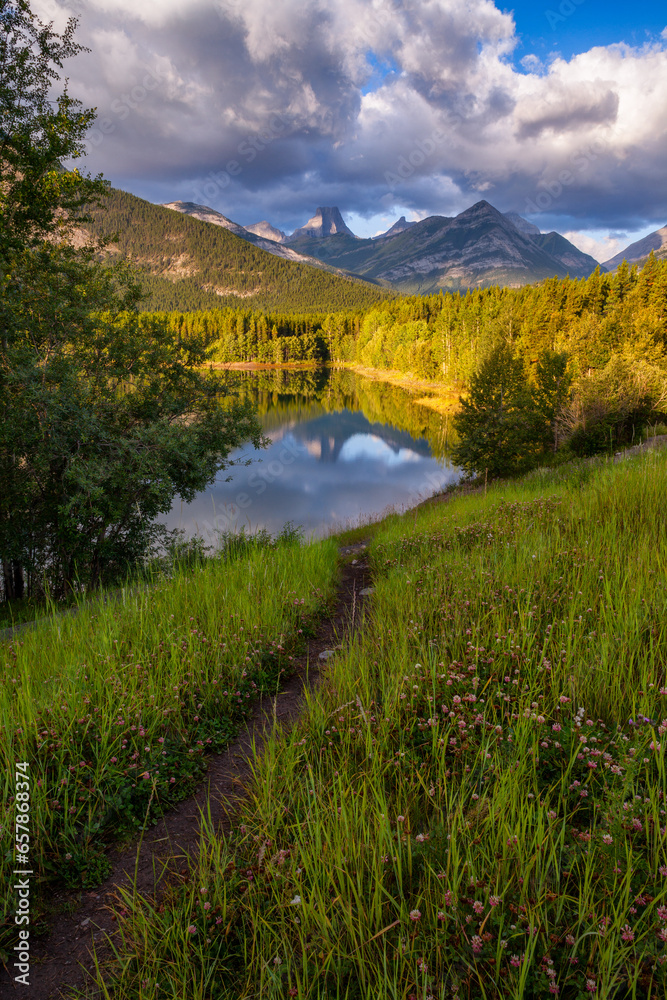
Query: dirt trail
[61,961]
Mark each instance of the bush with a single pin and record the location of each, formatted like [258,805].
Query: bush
[611,406]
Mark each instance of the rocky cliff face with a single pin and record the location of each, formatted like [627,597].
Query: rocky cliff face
[325,222]
[267,231]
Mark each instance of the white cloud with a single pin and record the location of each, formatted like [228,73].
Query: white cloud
[456,118]
[600,247]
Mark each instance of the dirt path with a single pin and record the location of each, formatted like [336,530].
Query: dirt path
[61,961]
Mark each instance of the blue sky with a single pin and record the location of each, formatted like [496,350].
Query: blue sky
[574,26]
[266,110]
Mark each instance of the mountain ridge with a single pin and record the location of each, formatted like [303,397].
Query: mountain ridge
[640,249]
[478,247]
[189,263]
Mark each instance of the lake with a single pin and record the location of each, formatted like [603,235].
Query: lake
[343,449]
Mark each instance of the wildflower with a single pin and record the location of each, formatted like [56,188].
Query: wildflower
[591,985]
[296,901]
[477,944]
[662,912]
[607,839]
[570,940]
[441,915]
[494,900]
[207,905]
[400,819]
[478,907]
[627,933]
[192,929]
[515,961]
[415,915]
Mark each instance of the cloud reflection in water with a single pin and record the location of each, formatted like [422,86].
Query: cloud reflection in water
[330,470]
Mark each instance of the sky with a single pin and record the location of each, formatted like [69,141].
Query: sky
[266,109]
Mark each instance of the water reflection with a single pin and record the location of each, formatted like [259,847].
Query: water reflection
[342,448]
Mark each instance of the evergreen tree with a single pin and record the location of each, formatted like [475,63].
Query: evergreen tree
[497,422]
[552,387]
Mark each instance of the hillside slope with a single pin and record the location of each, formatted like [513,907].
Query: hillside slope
[191,264]
[639,251]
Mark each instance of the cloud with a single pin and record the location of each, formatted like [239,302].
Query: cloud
[266,105]
[599,247]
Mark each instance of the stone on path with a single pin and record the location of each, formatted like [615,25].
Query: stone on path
[367,591]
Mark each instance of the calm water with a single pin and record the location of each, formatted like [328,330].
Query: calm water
[342,448]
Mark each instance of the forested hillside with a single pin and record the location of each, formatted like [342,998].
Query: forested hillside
[190,264]
[444,337]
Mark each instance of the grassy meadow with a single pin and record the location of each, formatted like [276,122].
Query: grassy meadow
[473,806]
[115,707]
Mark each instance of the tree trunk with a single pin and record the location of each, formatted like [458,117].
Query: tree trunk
[12,572]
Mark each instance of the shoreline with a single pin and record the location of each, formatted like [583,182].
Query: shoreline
[443,399]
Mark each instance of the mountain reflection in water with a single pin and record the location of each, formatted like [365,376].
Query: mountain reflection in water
[342,449]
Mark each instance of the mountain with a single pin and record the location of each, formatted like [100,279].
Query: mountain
[205,214]
[325,222]
[577,263]
[189,263]
[268,231]
[656,241]
[523,225]
[479,247]
[399,227]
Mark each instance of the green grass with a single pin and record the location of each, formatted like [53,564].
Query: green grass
[474,804]
[115,708]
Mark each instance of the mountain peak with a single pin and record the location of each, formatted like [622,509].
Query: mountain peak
[523,225]
[398,227]
[325,222]
[267,231]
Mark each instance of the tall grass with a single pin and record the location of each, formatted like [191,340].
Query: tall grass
[475,805]
[114,708]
